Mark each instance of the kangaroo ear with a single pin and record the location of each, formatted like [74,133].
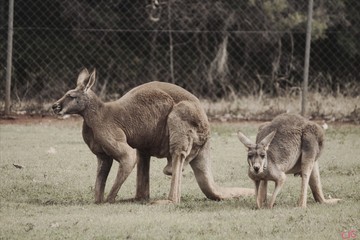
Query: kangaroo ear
[91,81]
[245,140]
[267,140]
[82,78]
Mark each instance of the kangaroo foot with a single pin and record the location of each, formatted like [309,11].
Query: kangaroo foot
[141,198]
[168,170]
[110,199]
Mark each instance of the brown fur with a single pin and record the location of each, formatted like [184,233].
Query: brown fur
[157,119]
[288,144]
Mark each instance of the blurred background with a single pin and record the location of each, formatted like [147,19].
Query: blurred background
[216,49]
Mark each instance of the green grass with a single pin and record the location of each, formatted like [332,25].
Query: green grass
[51,197]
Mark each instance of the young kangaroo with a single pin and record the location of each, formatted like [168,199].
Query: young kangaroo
[157,119]
[288,144]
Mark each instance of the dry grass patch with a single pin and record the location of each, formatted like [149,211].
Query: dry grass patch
[328,108]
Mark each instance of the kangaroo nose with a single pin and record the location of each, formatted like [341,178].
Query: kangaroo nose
[256,168]
[56,108]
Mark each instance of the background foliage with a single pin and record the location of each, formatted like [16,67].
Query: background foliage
[216,49]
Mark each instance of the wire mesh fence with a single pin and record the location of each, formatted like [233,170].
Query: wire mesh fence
[215,49]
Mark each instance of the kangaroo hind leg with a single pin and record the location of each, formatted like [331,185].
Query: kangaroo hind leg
[309,152]
[183,136]
[180,153]
[143,176]
[126,157]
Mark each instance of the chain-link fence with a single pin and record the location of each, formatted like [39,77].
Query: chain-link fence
[213,48]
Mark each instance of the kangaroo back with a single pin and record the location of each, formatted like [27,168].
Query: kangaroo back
[317,132]
[285,148]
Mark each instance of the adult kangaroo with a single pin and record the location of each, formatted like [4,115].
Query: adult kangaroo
[157,119]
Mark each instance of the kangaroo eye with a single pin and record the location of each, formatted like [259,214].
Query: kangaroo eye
[262,155]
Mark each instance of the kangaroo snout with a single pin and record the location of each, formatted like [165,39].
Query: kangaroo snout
[256,168]
[56,108]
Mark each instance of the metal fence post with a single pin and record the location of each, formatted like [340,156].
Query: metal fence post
[171,45]
[307,59]
[9,58]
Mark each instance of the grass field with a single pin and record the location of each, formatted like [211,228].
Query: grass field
[51,196]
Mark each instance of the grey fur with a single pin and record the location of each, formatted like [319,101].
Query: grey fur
[153,119]
[289,144]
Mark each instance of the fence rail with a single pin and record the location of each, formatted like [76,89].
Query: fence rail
[216,49]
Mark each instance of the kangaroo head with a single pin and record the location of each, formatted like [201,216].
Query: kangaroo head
[76,100]
[257,153]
